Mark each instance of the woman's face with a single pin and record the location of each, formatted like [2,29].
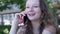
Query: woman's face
[33,9]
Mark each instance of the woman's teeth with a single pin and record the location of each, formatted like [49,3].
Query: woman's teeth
[31,14]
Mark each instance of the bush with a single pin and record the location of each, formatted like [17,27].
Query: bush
[4,29]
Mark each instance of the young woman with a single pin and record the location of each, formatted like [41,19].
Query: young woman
[38,19]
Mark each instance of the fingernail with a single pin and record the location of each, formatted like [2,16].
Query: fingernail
[18,16]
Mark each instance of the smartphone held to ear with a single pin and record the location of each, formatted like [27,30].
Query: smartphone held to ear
[25,18]
[20,18]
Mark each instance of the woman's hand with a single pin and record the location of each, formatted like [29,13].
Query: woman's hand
[17,20]
[19,17]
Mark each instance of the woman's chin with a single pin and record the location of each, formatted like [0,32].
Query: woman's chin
[31,19]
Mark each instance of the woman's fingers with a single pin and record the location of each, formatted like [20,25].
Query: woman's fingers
[20,17]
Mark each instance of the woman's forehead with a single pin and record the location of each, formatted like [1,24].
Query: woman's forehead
[32,2]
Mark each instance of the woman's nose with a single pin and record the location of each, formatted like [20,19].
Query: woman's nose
[31,10]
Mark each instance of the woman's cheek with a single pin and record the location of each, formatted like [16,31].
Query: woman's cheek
[26,10]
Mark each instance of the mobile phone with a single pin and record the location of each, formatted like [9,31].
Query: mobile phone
[25,19]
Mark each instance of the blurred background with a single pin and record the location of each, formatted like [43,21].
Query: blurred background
[8,9]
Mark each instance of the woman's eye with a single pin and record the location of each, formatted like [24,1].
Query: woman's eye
[36,6]
[27,7]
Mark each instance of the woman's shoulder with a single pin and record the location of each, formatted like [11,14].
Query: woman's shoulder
[49,30]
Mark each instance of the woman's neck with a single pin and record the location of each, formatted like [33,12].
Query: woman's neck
[35,24]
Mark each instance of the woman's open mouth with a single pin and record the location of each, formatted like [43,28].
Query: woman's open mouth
[32,14]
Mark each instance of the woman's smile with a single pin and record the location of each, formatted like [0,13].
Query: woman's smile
[31,14]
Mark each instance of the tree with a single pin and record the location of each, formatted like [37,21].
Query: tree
[4,4]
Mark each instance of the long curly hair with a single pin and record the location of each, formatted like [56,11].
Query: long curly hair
[45,18]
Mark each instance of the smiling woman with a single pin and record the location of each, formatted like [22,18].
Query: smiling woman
[36,18]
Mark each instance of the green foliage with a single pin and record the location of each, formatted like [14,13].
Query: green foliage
[4,29]
[7,2]
[50,7]
[58,2]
